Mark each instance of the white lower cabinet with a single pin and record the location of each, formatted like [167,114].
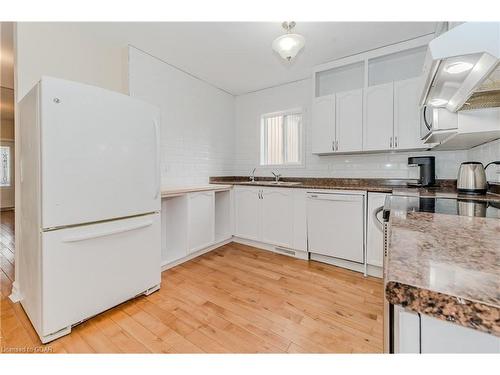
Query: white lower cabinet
[269,215]
[201,220]
[374,230]
[277,217]
[419,333]
[247,212]
[335,225]
[438,336]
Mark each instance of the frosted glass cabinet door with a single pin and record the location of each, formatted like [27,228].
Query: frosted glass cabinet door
[323,124]
[349,120]
[378,117]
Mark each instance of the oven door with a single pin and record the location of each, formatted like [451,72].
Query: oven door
[387,307]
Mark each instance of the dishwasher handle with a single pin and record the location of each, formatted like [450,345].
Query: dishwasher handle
[335,197]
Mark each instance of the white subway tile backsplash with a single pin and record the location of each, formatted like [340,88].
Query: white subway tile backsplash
[485,154]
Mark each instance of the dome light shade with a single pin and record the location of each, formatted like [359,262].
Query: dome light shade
[288,45]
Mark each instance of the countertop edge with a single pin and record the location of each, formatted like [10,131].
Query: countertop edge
[471,314]
[167,192]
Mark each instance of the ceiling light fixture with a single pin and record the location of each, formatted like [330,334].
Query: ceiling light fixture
[458,67]
[288,45]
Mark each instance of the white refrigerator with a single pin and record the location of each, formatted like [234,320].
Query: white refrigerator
[89,235]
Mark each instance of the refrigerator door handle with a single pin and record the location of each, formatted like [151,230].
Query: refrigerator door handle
[92,235]
[157,159]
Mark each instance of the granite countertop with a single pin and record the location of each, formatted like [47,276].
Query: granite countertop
[445,266]
[443,188]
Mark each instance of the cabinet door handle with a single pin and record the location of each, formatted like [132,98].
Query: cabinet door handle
[337,145]
[390,143]
[333,145]
[396,142]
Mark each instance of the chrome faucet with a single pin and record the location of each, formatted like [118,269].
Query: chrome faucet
[277,176]
[252,177]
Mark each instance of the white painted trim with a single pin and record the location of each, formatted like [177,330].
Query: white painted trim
[302,111]
[15,296]
[167,265]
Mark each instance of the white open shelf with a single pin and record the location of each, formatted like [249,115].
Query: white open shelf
[174,240]
[222,215]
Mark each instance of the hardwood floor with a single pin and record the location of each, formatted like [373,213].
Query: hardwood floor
[235,299]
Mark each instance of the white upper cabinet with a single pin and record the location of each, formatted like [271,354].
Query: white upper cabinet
[367,102]
[378,118]
[277,217]
[349,121]
[407,115]
[323,124]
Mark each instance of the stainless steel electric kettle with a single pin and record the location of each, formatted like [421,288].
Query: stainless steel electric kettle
[472,177]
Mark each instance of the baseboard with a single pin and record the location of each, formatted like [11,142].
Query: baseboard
[166,265]
[275,249]
[15,296]
[353,266]
[304,255]
[375,271]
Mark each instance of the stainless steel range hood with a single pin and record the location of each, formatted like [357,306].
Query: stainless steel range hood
[462,68]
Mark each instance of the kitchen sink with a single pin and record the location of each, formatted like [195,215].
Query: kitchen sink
[271,183]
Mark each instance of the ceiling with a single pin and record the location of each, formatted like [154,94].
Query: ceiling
[237,56]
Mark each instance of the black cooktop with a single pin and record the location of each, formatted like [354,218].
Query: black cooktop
[447,206]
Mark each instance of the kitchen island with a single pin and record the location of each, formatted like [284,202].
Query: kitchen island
[444,266]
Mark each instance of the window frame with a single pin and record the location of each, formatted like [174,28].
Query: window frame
[263,138]
[9,166]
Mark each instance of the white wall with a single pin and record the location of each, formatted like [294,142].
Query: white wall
[486,153]
[197,120]
[251,106]
[72,51]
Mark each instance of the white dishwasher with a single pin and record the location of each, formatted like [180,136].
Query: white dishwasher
[335,225]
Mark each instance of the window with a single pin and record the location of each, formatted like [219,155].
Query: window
[5,166]
[281,138]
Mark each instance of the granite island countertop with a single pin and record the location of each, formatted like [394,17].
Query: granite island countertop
[445,266]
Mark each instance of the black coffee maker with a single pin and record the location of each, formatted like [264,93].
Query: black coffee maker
[427,170]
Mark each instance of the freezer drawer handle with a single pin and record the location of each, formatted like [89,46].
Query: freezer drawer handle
[89,236]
